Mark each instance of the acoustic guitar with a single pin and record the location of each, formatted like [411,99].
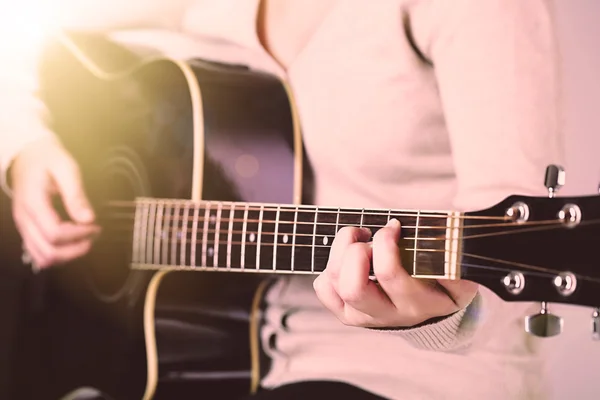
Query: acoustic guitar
[196,166]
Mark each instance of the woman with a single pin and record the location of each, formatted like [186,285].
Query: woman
[427,104]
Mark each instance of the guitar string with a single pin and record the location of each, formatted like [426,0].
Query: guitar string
[167,242]
[325,210]
[540,226]
[226,219]
[530,270]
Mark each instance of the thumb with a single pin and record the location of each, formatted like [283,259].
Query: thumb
[70,187]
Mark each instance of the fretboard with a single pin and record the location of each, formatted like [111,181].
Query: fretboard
[272,238]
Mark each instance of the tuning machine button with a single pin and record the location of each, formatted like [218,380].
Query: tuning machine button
[543,324]
[596,324]
[518,212]
[554,179]
[565,283]
[514,282]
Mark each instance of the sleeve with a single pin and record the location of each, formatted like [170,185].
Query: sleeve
[497,67]
[22,114]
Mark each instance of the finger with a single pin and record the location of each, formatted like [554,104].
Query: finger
[58,233]
[327,295]
[46,255]
[425,299]
[462,292]
[387,264]
[345,236]
[39,211]
[67,178]
[354,286]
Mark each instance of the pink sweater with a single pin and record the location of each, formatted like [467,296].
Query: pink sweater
[430,104]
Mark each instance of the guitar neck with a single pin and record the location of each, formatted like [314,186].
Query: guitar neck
[274,238]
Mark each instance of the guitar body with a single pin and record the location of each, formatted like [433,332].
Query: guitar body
[170,129]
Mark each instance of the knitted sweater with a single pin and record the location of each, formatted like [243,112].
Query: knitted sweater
[424,104]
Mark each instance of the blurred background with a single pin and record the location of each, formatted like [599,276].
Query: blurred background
[574,357]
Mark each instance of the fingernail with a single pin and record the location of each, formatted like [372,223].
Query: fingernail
[393,223]
[366,233]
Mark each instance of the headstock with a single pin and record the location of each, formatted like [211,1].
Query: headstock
[541,249]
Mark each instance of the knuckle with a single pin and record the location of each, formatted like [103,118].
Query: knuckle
[356,251]
[383,238]
[386,271]
[351,293]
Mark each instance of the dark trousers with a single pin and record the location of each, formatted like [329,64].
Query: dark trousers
[315,391]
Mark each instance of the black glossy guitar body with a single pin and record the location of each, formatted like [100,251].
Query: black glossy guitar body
[169,129]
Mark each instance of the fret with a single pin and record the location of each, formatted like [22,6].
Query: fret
[415,258]
[205,234]
[167,215]
[314,238]
[230,234]
[244,230]
[428,242]
[327,223]
[283,239]
[251,256]
[374,219]
[175,232]
[237,236]
[194,238]
[184,230]
[217,232]
[276,237]
[158,235]
[144,232]
[454,226]
[337,221]
[266,238]
[150,237]
[259,236]
[304,235]
[362,216]
[349,217]
[294,238]
[135,251]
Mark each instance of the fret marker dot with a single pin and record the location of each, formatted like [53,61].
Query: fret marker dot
[325,240]
[179,234]
[252,237]
[285,238]
[213,219]
[211,251]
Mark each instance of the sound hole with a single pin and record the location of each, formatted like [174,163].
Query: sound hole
[120,180]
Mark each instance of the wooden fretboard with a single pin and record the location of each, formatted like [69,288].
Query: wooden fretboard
[272,238]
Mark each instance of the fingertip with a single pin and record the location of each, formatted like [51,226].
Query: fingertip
[84,216]
[393,223]
[364,234]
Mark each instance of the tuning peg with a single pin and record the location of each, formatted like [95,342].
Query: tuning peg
[596,324]
[543,324]
[554,179]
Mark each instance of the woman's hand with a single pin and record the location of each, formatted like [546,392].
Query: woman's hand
[42,170]
[396,299]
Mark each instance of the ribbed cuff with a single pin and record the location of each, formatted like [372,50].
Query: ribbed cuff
[448,334]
